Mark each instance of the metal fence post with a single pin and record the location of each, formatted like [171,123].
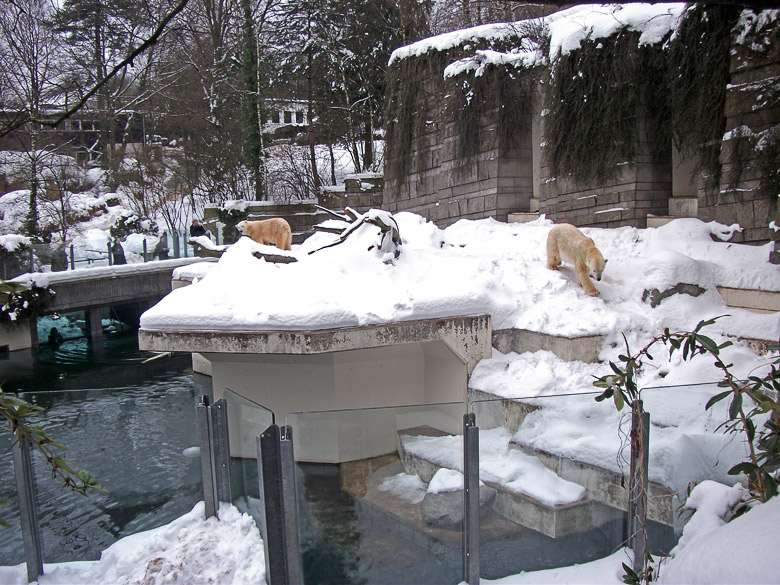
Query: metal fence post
[470,499]
[146,258]
[279,508]
[269,473]
[175,238]
[637,496]
[110,255]
[206,456]
[25,489]
[221,451]
[290,503]
[72,258]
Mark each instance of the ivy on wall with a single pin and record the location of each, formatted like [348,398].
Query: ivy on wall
[595,97]
[698,64]
[600,100]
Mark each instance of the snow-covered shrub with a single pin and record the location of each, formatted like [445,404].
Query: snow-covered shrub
[130,223]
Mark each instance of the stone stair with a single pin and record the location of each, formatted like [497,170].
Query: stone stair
[552,521]
[679,207]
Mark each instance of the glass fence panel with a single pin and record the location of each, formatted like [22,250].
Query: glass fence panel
[140,444]
[553,471]
[373,505]
[246,420]
[11,545]
[688,445]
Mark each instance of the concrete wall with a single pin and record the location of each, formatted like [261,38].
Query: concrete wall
[375,378]
[443,186]
[360,192]
[13,337]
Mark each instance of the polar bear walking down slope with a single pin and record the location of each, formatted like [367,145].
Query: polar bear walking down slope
[275,231]
[565,242]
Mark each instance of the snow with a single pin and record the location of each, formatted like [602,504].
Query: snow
[478,267]
[14,242]
[190,551]
[409,487]
[567,30]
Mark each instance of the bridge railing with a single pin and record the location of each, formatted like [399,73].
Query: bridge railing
[45,257]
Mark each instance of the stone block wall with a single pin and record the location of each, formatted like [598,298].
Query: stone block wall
[746,194]
[361,192]
[442,184]
[507,176]
[638,189]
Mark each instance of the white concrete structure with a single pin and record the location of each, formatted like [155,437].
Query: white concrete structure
[415,363]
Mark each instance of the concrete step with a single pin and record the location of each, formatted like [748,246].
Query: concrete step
[495,412]
[552,521]
[758,301]
[602,485]
[584,349]
[683,206]
[607,487]
[656,221]
[522,217]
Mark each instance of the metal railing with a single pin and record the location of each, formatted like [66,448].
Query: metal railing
[612,510]
[39,257]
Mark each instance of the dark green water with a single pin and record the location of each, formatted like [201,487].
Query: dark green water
[125,422]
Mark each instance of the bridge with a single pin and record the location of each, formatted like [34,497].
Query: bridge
[132,288]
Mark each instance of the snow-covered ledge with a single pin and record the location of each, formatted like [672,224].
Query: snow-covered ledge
[468,337]
[410,363]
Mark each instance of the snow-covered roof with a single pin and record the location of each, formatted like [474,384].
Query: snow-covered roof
[566,29]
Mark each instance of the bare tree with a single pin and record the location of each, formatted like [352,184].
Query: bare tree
[31,65]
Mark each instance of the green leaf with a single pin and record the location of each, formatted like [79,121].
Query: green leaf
[715,399]
[708,344]
[736,406]
[619,402]
[745,467]
[750,429]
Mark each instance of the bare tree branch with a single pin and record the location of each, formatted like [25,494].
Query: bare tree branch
[151,40]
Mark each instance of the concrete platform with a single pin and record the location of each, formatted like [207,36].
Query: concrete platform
[758,301]
[584,348]
[552,521]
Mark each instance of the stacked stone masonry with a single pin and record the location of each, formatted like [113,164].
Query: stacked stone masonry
[504,176]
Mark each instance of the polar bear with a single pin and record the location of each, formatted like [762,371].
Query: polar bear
[268,231]
[566,242]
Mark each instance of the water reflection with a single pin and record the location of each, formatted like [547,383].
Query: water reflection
[126,423]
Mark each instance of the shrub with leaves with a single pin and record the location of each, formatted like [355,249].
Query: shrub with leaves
[131,223]
[750,398]
[19,302]
[230,216]
[18,414]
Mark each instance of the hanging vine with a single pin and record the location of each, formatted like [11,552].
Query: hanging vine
[595,97]
[699,58]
